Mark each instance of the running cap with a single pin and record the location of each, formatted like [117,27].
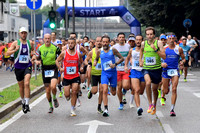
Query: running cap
[23,29]
[131,38]
[58,42]
[163,37]
[86,44]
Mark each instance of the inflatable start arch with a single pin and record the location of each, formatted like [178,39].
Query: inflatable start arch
[101,12]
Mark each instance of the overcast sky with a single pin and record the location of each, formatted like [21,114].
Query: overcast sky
[78,3]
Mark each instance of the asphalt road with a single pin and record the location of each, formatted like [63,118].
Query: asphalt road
[126,121]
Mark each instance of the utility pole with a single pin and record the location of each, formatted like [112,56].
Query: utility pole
[73,15]
[90,18]
[85,23]
[66,19]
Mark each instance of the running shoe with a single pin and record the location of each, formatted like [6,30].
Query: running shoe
[159,93]
[50,110]
[89,95]
[56,104]
[172,113]
[26,109]
[150,108]
[99,110]
[131,105]
[80,93]
[121,106]
[153,111]
[61,94]
[139,111]
[185,80]
[73,113]
[105,113]
[7,68]
[181,72]
[162,101]
[124,99]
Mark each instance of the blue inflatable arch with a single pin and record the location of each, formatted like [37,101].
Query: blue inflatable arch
[101,12]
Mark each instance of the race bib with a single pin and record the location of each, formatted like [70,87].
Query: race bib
[48,73]
[106,65]
[185,54]
[136,63]
[150,61]
[98,66]
[172,72]
[23,59]
[121,65]
[71,70]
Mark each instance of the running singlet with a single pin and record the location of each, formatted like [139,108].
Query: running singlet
[135,60]
[123,50]
[48,54]
[152,60]
[23,55]
[186,49]
[5,50]
[107,59]
[1,54]
[70,64]
[96,70]
[172,58]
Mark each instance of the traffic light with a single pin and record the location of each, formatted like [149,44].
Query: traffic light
[52,19]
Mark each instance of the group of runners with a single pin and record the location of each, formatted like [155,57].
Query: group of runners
[138,64]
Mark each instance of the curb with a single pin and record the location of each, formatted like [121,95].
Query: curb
[6,109]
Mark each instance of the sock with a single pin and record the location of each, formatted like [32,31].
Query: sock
[131,98]
[106,107]
[172,107]
[59,87]
[54,97]
[72,107]
[99,106]
[27,101]
[23,101]
[121,102]
[81,85]
[124,91]
[50,104]
[138,108]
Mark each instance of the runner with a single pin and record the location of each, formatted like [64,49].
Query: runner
[186,50]
[170,70]
[1,54]
[22,53]
[6,58]
[137,77]
[123,80]
[47,53]
[53,38]
[151,50]
[109,73]
[71,58]
[95,73]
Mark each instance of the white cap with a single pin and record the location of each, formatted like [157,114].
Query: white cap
[23,29]
[131,38]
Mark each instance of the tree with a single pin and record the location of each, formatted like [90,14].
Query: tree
[168,14]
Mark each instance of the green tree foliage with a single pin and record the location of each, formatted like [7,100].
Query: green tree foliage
[168,14]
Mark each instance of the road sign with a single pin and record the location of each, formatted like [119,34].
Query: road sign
[93,125]
[187,23]
[34,4]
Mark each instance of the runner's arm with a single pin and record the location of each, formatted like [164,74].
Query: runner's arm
[97,57]
[161,50]
[59,59]
[89,56]
[182,56]
[127,60]
[13,48]
[141,54]
[83,50]
[121,58]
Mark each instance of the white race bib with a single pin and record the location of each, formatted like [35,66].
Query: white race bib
[136,63]
[121,65]
[23,59]
[48,73]
[71,70]
[106,65]
[150,61]
[98,66]
[172,72]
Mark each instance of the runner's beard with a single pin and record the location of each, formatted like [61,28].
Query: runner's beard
[105,47]
[71,48]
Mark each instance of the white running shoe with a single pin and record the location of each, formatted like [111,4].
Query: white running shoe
[73,113]
[131,105]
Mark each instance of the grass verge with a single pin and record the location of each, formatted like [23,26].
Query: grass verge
[12,93]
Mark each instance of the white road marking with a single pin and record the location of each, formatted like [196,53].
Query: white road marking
[18,115]
[197,94]
[188,80]
[159,114]
[167,128]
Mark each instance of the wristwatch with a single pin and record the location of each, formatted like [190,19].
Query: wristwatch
[115,64]
[156,50]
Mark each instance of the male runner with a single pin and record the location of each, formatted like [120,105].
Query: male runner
[23,67]
[6,58]
[70,58]
[1,54]
[123,80]
[151,50]
[171,70]
[109,73]
[137,77]
[95,73]
[47,53]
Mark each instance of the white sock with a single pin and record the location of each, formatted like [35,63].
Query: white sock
[72,107]
[81,85]
[27,101]
[23,101]
[172,107]
[131,98]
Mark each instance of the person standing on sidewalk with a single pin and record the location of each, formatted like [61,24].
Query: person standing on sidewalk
[22,49]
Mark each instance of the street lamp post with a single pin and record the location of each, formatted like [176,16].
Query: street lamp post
[66,19]
[73,15]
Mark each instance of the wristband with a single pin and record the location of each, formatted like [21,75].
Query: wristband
[115,64]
